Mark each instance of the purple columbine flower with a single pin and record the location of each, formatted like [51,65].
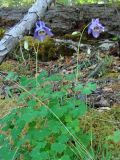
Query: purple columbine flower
[96,28]
[41,31]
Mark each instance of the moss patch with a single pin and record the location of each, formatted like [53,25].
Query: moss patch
[111,74]
[46,50]
[2,31]
[7,66]
[6,105]
[72,37]
[102,125]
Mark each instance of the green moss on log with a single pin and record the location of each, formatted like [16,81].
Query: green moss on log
[2,31]
[7,66]
[46,50]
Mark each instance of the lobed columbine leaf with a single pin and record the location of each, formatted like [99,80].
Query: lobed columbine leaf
[58,147]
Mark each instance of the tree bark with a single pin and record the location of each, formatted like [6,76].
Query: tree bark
[11,37]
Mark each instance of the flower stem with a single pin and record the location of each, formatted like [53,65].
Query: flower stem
[78,50]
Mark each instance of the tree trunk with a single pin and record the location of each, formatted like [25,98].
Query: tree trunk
[11,37]
[62,19]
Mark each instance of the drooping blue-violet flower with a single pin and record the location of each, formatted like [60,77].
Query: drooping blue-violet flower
[41,31]
[96,28]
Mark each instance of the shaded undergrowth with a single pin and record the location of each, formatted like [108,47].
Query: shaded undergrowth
[53,123]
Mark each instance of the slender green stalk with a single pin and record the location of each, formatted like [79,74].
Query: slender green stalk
[36,61]
[22,54]
[79,43]
[13,158]
[36,68]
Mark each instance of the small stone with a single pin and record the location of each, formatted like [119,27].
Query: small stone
[104,109]
[107,89]
[106,45]
[104,103]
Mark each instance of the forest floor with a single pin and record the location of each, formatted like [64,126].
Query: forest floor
[102,68]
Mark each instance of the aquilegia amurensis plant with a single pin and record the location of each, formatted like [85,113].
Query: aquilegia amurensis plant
[48,126]
[41,30]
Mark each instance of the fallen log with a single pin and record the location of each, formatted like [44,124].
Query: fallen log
[11,37]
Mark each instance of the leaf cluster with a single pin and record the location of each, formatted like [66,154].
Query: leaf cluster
[48,126]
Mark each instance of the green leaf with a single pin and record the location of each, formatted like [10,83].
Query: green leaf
[54,126]
[29,115]
[2,137]
[115,137]
[39,146]
[79,87]
[115,38]
[63,138]
[65,157]
[15,133]
[39,135]
[43,111]
[89,88]
[79,111]
[58,147]
[45,93]
[11,76]
[41,77]
[9,117]
[6,153]
[84,138]
[32,103]
[37,155]
[40,92]
[21,141]
[58,94]
[66,88]
[70,77]
[55,77]
[60,111]
[68,118]
[24,81]
[75,124]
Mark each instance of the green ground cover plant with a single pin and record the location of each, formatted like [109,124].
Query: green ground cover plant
[48,125]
